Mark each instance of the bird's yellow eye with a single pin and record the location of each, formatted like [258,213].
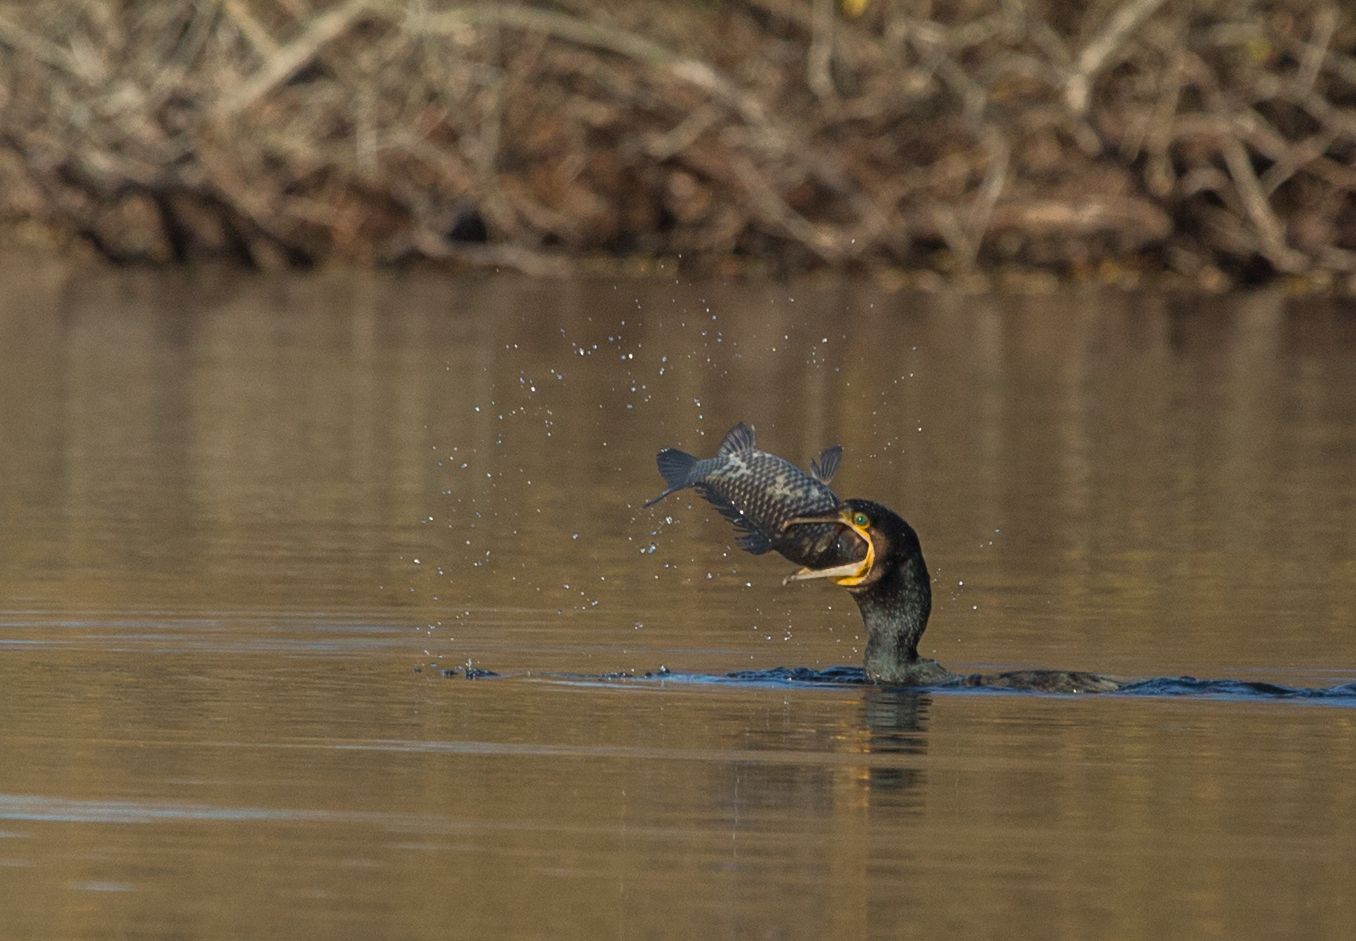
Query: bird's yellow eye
[861,520]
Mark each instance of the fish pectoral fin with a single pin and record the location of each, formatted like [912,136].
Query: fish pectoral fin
[750,538]
[850,570]
[752,541]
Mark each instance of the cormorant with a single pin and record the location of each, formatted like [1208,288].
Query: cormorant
[893,590]
[859,544]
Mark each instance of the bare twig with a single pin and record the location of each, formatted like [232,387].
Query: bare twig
[48,53]
[1269,228]
[775,211]
[932,49]
[514,257]
[254,31]
[291,58]
[1138,220]
[1095,54]
[663,146]
[601,36]
[1158,137]
[1311,60]
[817,60]
[990,188]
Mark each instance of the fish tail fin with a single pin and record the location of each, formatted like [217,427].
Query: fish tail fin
[676,466]
[738,438]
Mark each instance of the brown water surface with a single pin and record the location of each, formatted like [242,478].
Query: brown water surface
[247,523]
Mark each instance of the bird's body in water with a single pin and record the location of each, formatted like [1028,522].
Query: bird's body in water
[859,544]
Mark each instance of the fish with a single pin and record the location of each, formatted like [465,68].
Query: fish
[760,493]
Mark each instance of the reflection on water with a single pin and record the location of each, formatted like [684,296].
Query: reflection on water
[894,720]
[248,523]
[17,807]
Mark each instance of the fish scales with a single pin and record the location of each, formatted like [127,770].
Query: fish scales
[767,489]
[759,492]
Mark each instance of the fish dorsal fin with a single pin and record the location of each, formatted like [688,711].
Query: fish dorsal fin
[827,465]
[738,438]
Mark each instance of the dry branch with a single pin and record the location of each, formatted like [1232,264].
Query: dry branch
[516,134]
[285,62]
[1095,54]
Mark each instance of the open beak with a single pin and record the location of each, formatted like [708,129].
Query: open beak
[850,574]
[853,573]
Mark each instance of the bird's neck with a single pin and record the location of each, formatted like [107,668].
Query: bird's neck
[895,610]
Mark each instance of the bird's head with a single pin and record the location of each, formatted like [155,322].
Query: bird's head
[889,542]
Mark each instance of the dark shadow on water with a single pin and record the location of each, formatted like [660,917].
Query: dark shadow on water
[796,676]
[1344,695]
[1158,686]
[1174,686]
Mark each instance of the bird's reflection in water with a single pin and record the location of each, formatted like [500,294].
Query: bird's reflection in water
[892,727]
[895,722]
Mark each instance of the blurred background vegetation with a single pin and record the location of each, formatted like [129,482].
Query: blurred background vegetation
[1009,141]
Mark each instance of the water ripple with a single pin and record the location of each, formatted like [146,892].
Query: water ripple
[1239,689]
[66,810]
[1175,686]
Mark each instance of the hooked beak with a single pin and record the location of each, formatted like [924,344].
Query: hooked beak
[853,573]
